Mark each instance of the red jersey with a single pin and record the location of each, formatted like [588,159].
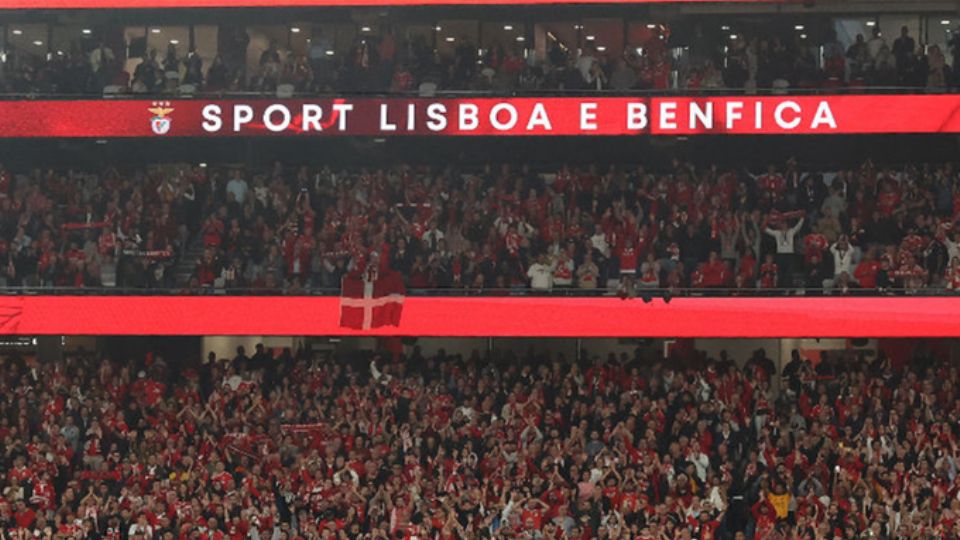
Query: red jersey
[628,259]
[814,245]
[866,274]
[768,275]
[887,202]
[713,274]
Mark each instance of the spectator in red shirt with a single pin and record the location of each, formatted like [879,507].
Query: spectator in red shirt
[714,273]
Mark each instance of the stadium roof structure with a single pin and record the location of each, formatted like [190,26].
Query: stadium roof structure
[165,4]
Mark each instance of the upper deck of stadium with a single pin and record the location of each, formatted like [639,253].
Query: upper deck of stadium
[311,47]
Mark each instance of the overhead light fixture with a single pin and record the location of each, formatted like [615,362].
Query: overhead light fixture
[803,36]
[591,38]
[945,22]
[508,27]
[438,28]
[329,53]
[451,39]
[725,28]
[295,30]
[203,165]
[871,23]
[154,30]
[798,27]
[651,26]
[365,29]
[174,41]
[578,27]
[733,36]
[38,43]
[601,48]
[87,31]
[521,38]
[17,32]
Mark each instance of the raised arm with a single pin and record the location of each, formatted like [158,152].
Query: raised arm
[795,228]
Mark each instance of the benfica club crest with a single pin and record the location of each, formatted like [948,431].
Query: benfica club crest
[161,122]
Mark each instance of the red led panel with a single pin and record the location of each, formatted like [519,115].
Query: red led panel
[488,316]
[570,116]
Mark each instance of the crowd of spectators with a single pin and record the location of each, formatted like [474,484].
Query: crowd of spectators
[303,446]
[894,62]
[867,229]
[389,63]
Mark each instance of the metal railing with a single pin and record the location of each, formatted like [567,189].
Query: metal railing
[454,93]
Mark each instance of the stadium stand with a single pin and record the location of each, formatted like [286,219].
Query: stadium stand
[307,446]
[761,57]
[586,230]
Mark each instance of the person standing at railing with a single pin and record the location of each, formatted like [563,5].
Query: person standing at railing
[769,273]
[649,273]
[540,274]
[815,275]
[904,51]
[953,275]
[786,252]
[563,270]
[937,69]
[875,44]
[587,273]
[859,56]
[866,272]
[746,270]
[713,274]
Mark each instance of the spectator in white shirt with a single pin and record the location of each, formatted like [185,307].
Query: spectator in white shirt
[541,274]
[876,43]
[141,528]
[842,257]
[599,242]
[238,187]
[952,245]
[586,61]
[786,252]
[431,239]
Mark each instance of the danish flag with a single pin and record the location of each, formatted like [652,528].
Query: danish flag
[371,300]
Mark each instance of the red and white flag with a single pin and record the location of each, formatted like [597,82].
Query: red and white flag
[371,300]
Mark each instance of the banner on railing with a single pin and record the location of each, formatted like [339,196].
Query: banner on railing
[580,116]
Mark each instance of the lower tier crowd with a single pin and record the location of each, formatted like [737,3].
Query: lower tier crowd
[303,446]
